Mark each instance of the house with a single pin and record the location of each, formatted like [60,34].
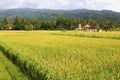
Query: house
[10,26]
[89,28]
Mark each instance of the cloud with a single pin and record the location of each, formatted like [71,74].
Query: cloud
[62,4]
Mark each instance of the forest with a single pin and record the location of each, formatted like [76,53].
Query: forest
[61,23]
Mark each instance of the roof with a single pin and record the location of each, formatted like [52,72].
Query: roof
[88,26]
[10,25]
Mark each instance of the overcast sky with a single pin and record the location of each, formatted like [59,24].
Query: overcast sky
[62,4]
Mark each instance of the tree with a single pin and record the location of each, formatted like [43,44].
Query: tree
[19,24]
[5,20]
[3,23]
[106,26]
[37,25]
[2,26]
[60,23]
[29,27]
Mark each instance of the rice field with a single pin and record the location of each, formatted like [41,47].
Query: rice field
[8,71]
[56,55]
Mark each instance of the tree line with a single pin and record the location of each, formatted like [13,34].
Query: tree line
[60,23]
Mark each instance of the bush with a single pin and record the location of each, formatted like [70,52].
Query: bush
[28,27]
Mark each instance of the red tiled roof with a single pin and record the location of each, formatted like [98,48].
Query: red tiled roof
[10,25]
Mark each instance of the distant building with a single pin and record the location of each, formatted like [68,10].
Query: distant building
[89,28]
[10,26]
[79,27]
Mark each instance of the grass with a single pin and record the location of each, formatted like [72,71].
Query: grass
[9,71]
[44,56]
[105,35]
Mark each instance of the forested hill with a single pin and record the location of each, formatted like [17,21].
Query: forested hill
[42,14]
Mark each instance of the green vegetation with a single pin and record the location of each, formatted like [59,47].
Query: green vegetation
[8,71]
[103,35]
[35,19]
[60,23]
[43,55]
[46,14]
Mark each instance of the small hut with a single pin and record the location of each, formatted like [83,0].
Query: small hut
[10,26]
[89,28]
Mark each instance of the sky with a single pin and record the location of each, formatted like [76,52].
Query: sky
[62,4]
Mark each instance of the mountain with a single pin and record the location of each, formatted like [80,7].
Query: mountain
[43,14]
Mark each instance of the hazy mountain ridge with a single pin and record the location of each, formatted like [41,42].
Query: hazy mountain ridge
[53,14]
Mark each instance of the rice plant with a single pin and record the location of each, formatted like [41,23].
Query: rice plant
[57,57]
